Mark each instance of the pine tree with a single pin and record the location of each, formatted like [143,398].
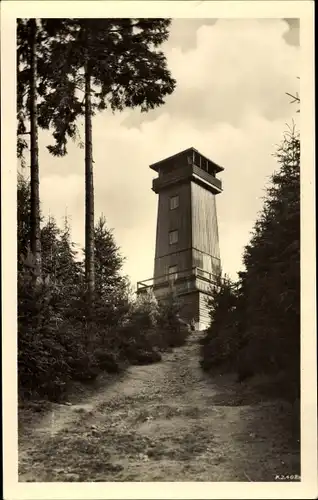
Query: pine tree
[28,41]
[34,60]
[101,63]
[23,216]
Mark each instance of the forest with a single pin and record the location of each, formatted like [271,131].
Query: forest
[77,316]
[255,321]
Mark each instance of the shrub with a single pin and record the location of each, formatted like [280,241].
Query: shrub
[60,340]
[222,339]
[173,331]
[43,369]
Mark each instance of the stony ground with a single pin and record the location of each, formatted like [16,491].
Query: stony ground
[163,422]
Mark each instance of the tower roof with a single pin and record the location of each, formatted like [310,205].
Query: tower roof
[167,161]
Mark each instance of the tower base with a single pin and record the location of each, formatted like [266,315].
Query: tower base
[192,290]
[194,309]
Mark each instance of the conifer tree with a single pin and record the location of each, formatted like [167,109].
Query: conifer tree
[108,260]
[29,40]
[23,216]
[99,64]
[50,234]
[272,261]
[34,60]
[255,325]
[69,268]
[111,293]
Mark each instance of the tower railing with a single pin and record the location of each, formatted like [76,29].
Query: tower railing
[184,173]
[182,281]
[207,177]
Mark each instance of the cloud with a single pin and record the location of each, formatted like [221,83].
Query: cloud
[230,104]
[237,67]
[184,32]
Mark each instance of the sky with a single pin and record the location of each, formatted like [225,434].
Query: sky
[230,104]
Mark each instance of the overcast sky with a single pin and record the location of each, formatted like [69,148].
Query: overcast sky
[230,104]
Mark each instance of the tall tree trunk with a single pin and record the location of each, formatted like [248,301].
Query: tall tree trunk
[89,193]
[35,236]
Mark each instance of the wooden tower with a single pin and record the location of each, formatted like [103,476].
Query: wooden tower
[187,257]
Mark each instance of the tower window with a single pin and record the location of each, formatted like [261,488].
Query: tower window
[174,202]
[173,237]
[173,273]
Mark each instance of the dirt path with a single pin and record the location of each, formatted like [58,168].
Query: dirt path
[163,422]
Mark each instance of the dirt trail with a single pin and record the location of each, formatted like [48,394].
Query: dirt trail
[163,422]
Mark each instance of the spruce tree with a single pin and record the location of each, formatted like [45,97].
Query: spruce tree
[69,266]
[108,260]
[255,324]
[111,293]
[50,234]
[272,261]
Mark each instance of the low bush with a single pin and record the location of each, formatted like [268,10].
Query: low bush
[173,331]
[60,339]
[56,349]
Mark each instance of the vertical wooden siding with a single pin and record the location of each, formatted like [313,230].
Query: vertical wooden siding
[198,239]
[181,259]
[205,234]
[196,222]
[203,309]
[168,220]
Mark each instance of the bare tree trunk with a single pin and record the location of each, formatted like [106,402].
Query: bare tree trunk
[35,236]
[89,193]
